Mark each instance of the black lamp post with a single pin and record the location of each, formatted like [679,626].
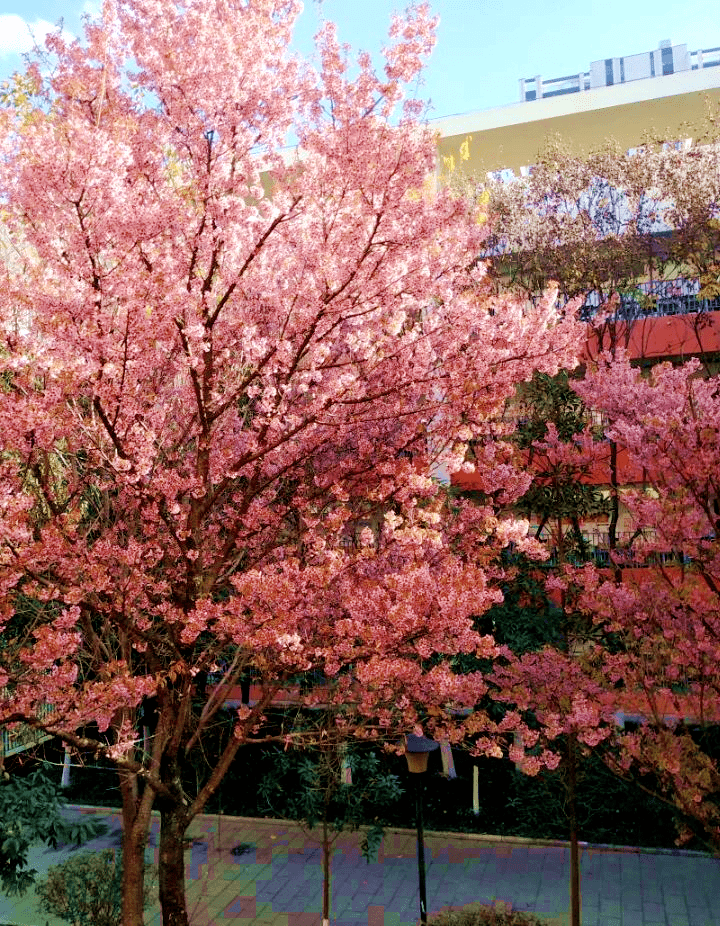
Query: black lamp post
[417,751]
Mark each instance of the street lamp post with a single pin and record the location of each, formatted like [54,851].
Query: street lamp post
[417,751]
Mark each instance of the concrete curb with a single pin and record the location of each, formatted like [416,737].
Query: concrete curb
[487,839]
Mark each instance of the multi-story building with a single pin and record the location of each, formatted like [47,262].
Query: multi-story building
[663,93]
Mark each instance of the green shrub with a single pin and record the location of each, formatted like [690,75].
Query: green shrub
[30,811]
[86,890]
[483,915]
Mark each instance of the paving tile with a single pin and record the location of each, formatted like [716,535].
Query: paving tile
[699,909]
[653,913]
[278,881]
[674,905]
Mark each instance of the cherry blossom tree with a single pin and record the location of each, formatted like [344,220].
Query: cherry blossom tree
[663,615]
[644,641]
[557,440]
[599,224]
[231,369]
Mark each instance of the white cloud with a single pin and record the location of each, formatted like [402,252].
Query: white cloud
[18,36]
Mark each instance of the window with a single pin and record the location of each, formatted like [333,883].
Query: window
[667,61]
[504,175]
[682,144]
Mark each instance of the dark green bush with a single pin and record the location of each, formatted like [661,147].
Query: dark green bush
[86,890]
[31,810]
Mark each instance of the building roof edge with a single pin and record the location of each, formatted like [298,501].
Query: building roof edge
[636,91]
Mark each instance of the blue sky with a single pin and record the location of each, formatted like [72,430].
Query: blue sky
[484,46]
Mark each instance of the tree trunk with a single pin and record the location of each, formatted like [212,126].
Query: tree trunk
[133,886]
[136,813]
[571,786]
[574,847]
[173,826]
[326,874]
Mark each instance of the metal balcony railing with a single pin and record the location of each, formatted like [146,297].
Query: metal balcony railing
[20,737]
[657,299]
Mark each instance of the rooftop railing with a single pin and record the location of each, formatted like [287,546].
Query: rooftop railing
[535,88]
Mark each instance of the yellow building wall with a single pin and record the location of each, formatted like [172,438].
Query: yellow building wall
[518,144]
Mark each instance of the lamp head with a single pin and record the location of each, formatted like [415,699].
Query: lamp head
[417,751]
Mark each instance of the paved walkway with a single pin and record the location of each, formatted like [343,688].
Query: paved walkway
[277,879]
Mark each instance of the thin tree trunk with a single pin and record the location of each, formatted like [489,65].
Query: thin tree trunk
[574,846]
[133,885]
[136,813]
[173,826]
[326,874]
[571,783]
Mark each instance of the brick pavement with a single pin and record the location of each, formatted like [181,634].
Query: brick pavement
[277,881]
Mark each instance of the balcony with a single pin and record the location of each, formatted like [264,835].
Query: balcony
[656,299]
[663,319]
[19,737]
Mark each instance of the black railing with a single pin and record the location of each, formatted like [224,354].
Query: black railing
[654,300]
